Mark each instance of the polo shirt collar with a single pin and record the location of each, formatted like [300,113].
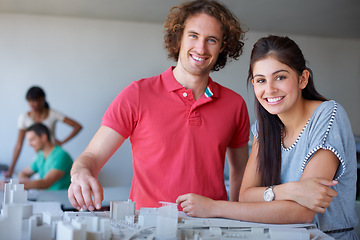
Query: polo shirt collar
[170,83]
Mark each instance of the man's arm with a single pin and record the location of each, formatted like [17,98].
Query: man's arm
[25,174]
[237,159]
[50,178]
[84,172]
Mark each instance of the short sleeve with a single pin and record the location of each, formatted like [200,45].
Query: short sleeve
[255,129]
[330,130]
[241,136]
[122,113]
[58,116]
[63,161]
[34,164]
[22,122]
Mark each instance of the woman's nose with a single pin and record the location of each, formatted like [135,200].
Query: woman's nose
[271,87]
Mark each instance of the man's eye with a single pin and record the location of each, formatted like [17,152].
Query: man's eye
[212,40]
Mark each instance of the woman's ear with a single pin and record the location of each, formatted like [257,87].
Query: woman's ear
[304,79]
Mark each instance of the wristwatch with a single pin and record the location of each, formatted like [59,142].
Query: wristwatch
[269,194]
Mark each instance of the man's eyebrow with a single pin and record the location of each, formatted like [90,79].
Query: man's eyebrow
[193,32]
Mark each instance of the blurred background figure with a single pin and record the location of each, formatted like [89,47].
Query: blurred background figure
[40,112]
[52,163]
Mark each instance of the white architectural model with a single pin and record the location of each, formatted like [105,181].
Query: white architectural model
[120,210]
[18,222]
[14,209]
[167,221]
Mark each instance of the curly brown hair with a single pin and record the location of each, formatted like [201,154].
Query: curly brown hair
[232,30]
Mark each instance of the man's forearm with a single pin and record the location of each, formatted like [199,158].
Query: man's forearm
[84,163]
[23,177]
[237,159]
[36,184]
[234,187]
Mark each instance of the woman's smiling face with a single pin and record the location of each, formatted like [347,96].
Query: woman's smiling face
[277,87]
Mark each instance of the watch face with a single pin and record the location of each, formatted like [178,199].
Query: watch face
[269,195]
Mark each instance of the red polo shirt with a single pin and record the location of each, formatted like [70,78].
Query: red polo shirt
[178,144]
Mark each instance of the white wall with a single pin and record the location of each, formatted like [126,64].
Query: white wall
[82,64]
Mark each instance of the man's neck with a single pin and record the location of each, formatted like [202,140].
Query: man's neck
[197,84]
[48,148]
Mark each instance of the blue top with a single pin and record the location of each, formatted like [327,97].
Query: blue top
[328,128]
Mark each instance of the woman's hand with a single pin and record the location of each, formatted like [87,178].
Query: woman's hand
[2,185]
[313,193]
[7,174]
[58,143]
[195,205]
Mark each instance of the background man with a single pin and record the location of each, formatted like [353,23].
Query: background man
[52,163]
[180,123]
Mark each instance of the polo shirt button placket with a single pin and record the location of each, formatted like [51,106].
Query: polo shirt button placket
[185,94]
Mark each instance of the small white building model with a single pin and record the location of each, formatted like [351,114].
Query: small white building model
[15,208]
[83,228]
[120,209]
[147,217]
[38,230]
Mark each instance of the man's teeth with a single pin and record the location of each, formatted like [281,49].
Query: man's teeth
[198,58]
[271,100]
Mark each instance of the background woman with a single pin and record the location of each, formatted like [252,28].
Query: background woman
[302,142]
[40,112]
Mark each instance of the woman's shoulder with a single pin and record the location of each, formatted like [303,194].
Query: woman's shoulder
[324,111]
[24,120]
[330,111]
[24,114]
[329,119]
[56,114]
[326,106]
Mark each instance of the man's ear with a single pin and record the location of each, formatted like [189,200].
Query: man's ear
[304,79]
[44,137]
[222,47]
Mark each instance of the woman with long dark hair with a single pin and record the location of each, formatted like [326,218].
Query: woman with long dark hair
[302,167]
[40,112]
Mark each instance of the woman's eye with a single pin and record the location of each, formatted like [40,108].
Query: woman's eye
[280,77]
[259,80]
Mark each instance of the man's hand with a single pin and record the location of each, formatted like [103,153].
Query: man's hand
[85,192]
[195,205]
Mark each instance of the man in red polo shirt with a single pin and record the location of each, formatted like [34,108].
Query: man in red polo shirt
[180,123]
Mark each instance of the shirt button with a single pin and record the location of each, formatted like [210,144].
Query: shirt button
[184,94]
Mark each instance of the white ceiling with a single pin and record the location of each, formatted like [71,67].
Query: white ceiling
[325,18]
